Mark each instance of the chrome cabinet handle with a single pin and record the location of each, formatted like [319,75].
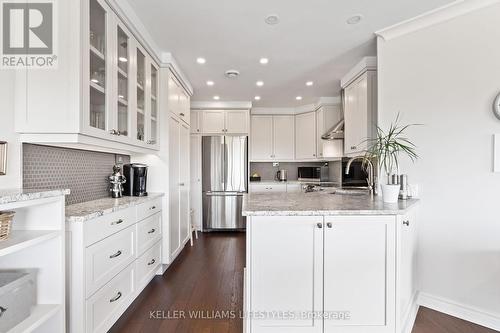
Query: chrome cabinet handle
[329,225]
[152,207]
[319,225]
[117,222]
[117,297]
[151,231]
[114,255]
[406,223]
[151,262]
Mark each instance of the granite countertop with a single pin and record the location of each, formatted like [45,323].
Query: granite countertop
[319,204]
[22,194]
[89,210]
[271,181]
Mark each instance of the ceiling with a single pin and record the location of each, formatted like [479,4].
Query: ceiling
[312,42]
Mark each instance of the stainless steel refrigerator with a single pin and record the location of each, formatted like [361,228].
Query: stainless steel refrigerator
[225,179]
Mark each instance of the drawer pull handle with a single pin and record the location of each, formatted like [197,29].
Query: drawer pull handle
[117,297]
[151,231]
[117,254]
[406,223]
[2,310]
[151,262]
[152,207]
[117,222]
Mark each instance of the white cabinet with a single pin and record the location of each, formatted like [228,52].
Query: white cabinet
[269,187]
[224,121]
[196,188]
[293,187]
[294,282]
[360,113]
[195,122]
[326,117]
[359,273]
[103,92]
[305,136]
[179,187]
[272,138]
[178,100]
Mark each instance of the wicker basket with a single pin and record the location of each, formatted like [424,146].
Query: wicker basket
[5,223]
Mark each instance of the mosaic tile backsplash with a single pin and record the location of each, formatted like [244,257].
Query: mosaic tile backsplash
[83,172]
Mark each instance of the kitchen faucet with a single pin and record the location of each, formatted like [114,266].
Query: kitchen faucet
[370,180]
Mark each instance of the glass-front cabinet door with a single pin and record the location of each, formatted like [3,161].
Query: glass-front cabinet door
[122,87]
[98,110]
[153,130]
[141,94]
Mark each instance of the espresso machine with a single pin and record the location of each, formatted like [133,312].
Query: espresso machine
[136,175]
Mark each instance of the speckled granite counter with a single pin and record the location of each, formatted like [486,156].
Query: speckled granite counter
[319,204]
[16,195]
[91,209]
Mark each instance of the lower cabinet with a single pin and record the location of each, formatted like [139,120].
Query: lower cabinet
[262,188]
[332,274]
[107,272]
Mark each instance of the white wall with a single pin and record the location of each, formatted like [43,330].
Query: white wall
[446,76]
[13,177]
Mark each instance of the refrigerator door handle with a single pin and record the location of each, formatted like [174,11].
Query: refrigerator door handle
[224,166]
[224,194]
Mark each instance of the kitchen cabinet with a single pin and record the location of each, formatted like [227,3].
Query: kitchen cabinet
[196,188]
[272,138]
[326,117]
[103,92]
[305,136]
[179,185]
[360,111]
[224,121]
[195,122]
[178,100]
[294,282]
[267,187]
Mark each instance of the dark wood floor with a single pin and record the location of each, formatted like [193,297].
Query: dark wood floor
[208,277]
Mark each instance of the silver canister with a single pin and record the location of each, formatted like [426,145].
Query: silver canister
[403,189]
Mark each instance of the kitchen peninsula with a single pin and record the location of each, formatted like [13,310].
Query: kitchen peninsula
[322,262]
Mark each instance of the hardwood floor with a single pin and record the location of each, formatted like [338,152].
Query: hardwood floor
[209,277]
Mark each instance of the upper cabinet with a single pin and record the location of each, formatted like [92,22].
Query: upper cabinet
[178,100]
[272,138]
[360,112]
[305,136]
[328,116]
[221,122]
[104,93]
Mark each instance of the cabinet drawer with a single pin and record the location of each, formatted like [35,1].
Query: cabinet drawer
[147,265]
[106,306]
[104,226]
[107,258]
[259,188]
[148,208]
[148,232]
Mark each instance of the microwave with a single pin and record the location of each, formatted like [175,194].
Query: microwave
[313,174]
[357,176]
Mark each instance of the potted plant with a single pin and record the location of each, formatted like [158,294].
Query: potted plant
[386,149]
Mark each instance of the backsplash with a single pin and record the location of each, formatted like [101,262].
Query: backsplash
[83,172]
[268,172]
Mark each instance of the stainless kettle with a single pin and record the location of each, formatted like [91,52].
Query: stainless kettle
[281,175]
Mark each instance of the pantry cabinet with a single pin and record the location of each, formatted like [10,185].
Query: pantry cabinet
[305,136]
[272,138]
[224,121]
[103,93]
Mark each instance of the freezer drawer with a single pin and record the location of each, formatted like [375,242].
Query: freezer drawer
[223,211]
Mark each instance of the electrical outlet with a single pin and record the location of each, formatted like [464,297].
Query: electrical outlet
[276,164]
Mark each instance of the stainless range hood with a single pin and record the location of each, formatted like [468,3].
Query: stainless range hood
[336,132]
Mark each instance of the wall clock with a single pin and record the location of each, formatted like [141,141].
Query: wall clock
[496,107]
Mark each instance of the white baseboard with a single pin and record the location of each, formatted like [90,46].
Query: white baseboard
[411,315]
[474,315]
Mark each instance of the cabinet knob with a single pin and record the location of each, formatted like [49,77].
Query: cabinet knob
[314,154]
[197,130]
[181,114]
[329,225]
[406,223]
[353,147]
[319,225]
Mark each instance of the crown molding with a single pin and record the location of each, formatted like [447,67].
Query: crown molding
[366,64]
[433,17]
[210,105]
[322,101]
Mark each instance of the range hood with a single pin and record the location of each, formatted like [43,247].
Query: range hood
[336,132]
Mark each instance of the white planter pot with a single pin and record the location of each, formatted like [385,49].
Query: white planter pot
[390,193]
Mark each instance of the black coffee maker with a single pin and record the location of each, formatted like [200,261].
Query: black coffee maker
[136,175]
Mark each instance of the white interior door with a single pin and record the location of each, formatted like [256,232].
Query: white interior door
[287,279]
[359,274]
[174,180]
[284,137]
[261,138]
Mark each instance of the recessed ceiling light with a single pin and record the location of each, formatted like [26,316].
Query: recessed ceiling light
[259,83]
[210,83]
[299,98]
[122,59]
[354,19]
[257,98]
[216,98]
[264,61]
[272,19]
[309,83]
[201,61]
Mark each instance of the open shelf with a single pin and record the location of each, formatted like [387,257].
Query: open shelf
[140,87]
[96,52]
[97,87]
[139,110]
[122,101]
[22,239]
[122,73]
[39,315]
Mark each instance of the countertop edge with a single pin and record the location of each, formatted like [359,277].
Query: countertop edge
[20,195]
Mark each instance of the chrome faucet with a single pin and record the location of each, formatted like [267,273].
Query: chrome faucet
[370,180]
